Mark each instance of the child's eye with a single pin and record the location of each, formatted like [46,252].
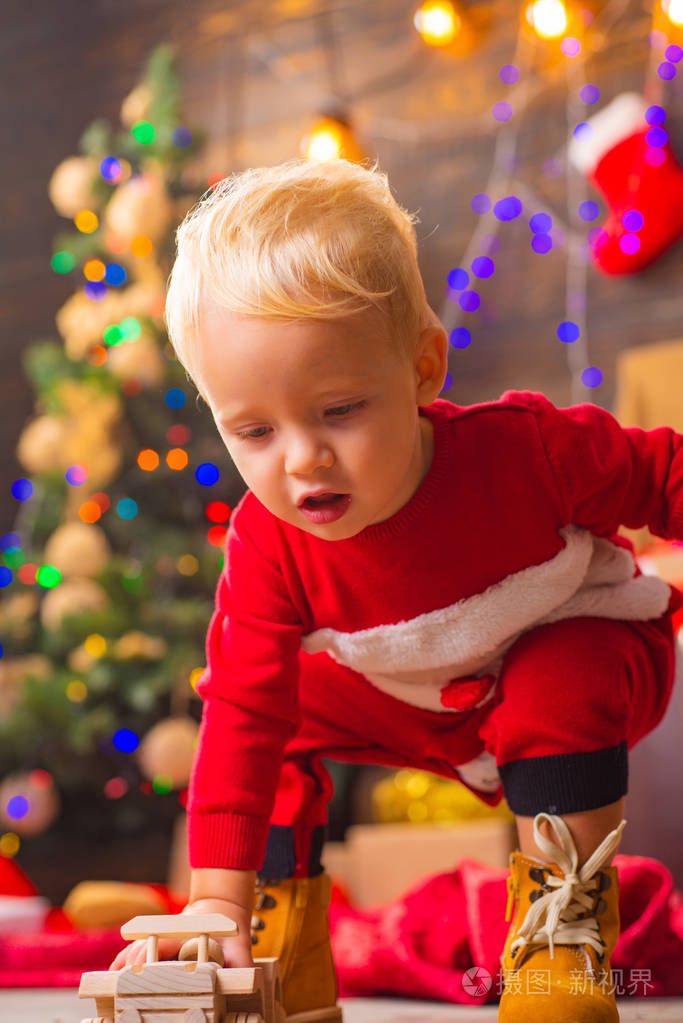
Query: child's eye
[343,410]
[340,410]
[252,434]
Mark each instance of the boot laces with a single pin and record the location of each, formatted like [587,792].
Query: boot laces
[262,900]
[553,917]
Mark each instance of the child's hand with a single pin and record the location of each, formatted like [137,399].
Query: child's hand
[237,950]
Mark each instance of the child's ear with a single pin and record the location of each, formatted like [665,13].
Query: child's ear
[432,363]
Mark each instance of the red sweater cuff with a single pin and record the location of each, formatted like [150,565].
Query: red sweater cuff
[232,841]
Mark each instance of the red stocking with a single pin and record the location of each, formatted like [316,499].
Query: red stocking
[641,182]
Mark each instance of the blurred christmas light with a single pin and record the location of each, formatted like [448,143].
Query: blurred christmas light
[62,262]
[176,459]
[181,137]
[127,508]
[95,645]
[86,221]
[187,564]
[28,574]
[115,788]
[591,377]
[162,784]
[568,332]
[97,355]
[6,576]
[178,434]
[102,500]
[125,740]
[325,142]
[143,132]
[175,397]
[9,844]
[94,270]
[195,676]
[217,511]
[438,22]
[331,138]
[95,290]
[216,535]
[48,576]
[148,460]
[115,243]
[207,474]
[76,691]
[111,170]
[130,328]
[141,246]
[76,475]
[548,18]
[22,489]
[11,542]
[112,335]
[115,275]
[673,10]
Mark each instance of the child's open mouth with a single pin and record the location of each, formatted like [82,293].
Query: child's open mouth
[325,507]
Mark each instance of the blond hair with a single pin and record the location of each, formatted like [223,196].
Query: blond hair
[302,239]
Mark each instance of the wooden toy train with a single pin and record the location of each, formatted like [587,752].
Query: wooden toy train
[191,989]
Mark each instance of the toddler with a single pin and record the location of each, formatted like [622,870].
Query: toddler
[407,582]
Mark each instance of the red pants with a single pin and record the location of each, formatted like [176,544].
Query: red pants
[572,698]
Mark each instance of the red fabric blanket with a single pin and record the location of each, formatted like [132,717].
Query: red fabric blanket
[420,945]
[423,944]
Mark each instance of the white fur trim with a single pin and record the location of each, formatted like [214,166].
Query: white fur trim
[481,773]
[624,116]
[413,660]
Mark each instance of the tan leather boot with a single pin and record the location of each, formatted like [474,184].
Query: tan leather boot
[556,960]
[290,921]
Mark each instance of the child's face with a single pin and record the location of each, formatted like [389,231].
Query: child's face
[317,405]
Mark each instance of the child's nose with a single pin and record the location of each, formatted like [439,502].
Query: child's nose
[305,453]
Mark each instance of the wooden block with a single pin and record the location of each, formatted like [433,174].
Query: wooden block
[156,979]
[238,980]
[179,926]
[273,1009]
[98,982]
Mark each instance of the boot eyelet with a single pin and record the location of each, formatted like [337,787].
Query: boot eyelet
[265,901]
[535,893]
[254,939]
[600,907]
[257,924]
[536,874]
[604,881]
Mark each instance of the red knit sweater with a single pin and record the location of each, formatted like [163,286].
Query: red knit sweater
[499,536]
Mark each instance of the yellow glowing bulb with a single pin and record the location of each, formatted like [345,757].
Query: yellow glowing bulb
[195,676]
[86,221]
[325,143]
[674,10]
[548,18]
[94,270]
[9,844]
[187,564]
[437,21]
[95,645]
[76,691]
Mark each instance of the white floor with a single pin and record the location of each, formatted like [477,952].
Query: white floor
[62,1005]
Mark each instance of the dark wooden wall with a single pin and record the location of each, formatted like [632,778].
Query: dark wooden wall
[254,76]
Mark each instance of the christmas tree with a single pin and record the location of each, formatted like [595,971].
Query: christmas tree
[109,571]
